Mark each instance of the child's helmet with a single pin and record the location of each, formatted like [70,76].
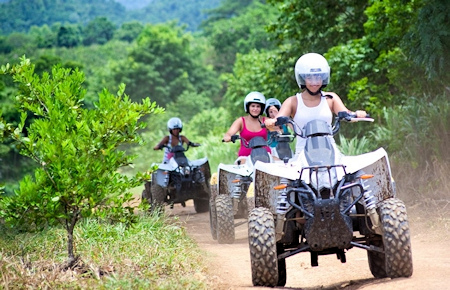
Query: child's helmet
[272,102]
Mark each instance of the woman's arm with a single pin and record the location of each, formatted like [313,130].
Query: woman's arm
[288,109]
[163,142]
[184,139]
[338,106]
[235,127]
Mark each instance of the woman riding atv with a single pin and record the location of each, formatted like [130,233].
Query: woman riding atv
[175,126]
[249,126]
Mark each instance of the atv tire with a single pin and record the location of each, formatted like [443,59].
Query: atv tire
[377,261]
[213,218]
[146,193]
[396,242]
[225,219]
[201,205]
[158,197]
[263,249]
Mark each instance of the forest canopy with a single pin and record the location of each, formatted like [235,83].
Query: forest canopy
[198,60]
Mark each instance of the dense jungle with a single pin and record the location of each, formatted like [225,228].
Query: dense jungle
[127,67]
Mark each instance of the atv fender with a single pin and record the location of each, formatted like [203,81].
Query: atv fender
[170,166]
[376,163]
[160,177]
[242,170]
[199,162]
[289,170]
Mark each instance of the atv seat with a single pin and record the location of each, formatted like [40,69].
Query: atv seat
[283,148]
[257,142]
[260,154]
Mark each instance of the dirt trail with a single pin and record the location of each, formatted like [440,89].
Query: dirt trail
[230,264]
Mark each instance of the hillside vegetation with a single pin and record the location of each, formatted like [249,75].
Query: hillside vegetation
[21,15]
[67,66]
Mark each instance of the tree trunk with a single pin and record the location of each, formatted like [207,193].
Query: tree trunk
[70,226]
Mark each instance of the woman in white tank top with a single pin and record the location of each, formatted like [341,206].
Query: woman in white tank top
[321,111]
[312,74]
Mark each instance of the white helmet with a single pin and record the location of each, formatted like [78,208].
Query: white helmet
[254,97]
[174,123]
[272,102]
[312,64]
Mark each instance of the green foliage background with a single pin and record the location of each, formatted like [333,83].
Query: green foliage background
[390,58]
[384,56]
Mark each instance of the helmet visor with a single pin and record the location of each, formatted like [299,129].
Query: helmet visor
[314,79]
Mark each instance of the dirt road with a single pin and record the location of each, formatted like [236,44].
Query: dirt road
[230,264]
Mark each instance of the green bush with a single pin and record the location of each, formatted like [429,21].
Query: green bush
[154,253]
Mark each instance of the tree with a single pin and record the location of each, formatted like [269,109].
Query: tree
[188,13]
[20,15]
[129,31]
[70,35]
[311,26]
[428,40]
[5,47]
[76,150]
[188,104]
[44,36]
[240,34]
[226,10]
[100,30]
[165,65]
[251,72]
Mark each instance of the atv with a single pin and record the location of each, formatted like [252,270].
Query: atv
[179,180]
[229,201]
[327,203]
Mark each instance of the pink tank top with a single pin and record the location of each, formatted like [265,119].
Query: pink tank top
[248,135]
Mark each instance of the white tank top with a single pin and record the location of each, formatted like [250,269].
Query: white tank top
[305,114]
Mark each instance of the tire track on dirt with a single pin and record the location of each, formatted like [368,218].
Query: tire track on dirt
[229,264]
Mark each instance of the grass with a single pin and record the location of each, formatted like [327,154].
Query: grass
[153,254]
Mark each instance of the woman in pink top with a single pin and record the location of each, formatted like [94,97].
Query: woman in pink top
[249,126]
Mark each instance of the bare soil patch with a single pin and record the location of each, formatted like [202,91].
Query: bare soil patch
[229,265]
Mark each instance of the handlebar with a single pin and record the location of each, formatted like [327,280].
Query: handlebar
[236,137]
[342,116]
[233,138]
[351,117]
[190,144]
[348,117]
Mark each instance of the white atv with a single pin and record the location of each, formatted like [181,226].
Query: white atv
[179,180]
[229,201]
[326,203]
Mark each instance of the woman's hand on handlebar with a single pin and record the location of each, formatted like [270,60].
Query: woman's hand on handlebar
[158,147]
[361,114]
[270,124]
[226,138]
